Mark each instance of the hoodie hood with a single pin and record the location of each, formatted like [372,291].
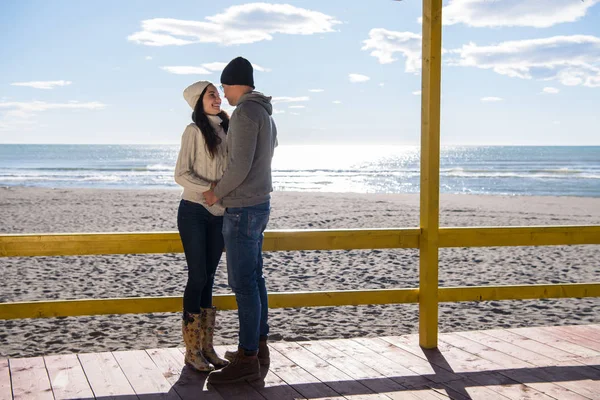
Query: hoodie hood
[258,97]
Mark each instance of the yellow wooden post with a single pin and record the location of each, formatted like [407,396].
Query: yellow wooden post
[430,172]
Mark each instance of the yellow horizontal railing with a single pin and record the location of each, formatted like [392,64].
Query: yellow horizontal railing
[290,240]
[142,305]
[519,236]
[72,244]
[75,244]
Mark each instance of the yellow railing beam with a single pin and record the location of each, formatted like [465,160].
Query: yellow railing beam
[519,292]
[69,244]
[431,75]
[168,242]
[519,236]
[142,305]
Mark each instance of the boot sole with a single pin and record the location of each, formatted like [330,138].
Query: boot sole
[198,370]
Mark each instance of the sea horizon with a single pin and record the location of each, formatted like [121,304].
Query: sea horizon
[470,169]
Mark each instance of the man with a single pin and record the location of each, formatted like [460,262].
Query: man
[245,191]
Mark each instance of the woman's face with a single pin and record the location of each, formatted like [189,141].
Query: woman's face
[211,101]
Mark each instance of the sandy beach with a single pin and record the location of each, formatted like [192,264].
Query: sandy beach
[34,210]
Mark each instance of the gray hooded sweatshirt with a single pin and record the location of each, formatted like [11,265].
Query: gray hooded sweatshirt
[251,140]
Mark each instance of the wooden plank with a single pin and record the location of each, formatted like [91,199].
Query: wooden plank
[27,245]
[67,377]
[143,375]
[336,379]
[169,362]
[491,344]
[71,244]
[429,207]
[186,382]
[400,365]
[30,379]
[519,236]
[518,292]
[237,391]
[593,362]
[426,375]
[524,342]
[520,370]
[528,383]
[240,390]
[141,305]
[555,340]
[586,331]
[451,359]
[299,379]
[389,366]
[565,333]
[106,378]
[363,373]
[272,387]
[5,386]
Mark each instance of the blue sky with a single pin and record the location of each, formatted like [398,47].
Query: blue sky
[521,72]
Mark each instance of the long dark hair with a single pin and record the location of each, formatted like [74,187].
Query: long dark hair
[211,138]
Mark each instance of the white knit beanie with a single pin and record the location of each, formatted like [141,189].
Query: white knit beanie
[192,93]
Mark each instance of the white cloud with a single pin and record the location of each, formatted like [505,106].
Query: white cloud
[382,84]
[295,113]
[571,60]
[316,90]
[42,84]
[491,99]
[240,24]
[286,99]
[336,102]
[148,57]
[297,107]
[358,78]
[37,106]
[417,92]
[550,90]
[205,69]
[215,66]
[533,13]
[384,44]
[18,114]
[187,70]
[278,111]
[261,69]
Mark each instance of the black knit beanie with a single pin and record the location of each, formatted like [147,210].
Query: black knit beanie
[239,71]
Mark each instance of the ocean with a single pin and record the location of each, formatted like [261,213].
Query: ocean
[496,170]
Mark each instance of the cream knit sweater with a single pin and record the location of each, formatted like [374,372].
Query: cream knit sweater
[196,169]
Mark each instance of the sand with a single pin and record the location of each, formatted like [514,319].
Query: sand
[35,210]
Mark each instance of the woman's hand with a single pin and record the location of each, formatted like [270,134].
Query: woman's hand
[209,197]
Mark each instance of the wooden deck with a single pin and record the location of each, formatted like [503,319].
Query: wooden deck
[525,363]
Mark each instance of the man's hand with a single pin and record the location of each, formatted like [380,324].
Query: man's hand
[210,197]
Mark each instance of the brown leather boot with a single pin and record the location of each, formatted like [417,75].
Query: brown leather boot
[264,357]
[242,368]
[190,327]
[207,326]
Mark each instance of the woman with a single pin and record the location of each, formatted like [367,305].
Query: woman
[200,164]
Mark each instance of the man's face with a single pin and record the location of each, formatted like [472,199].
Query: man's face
[229,95]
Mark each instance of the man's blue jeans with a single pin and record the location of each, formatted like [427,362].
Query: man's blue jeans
[243,230]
